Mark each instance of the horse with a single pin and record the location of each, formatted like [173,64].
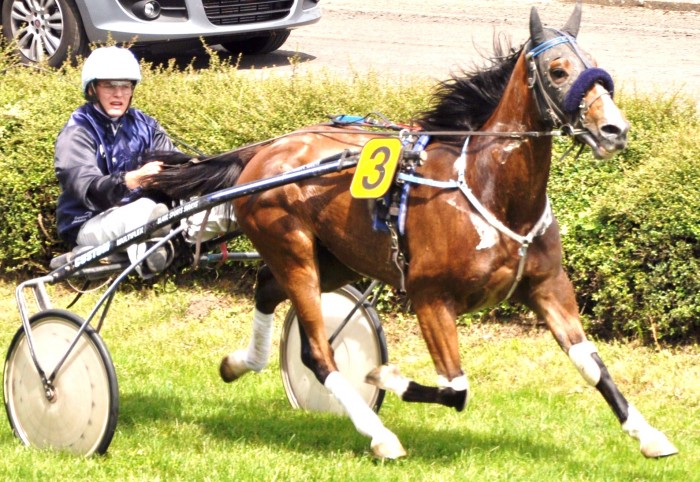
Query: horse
[477,229]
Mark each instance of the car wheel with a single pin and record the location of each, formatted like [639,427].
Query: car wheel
[268,42]
[44,30]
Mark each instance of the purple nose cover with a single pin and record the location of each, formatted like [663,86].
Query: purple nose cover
[584,82]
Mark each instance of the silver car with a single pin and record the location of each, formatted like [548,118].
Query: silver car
[59,30]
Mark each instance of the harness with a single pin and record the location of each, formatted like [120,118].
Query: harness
[460,183]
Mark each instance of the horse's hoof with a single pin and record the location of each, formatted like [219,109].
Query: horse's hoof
[657,446]
[233,366]
[387,446]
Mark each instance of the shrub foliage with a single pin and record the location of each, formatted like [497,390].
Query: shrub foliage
[631,225]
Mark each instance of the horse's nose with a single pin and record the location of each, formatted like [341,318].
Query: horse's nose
[615,133]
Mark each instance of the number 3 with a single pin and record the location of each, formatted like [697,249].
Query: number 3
[376,168]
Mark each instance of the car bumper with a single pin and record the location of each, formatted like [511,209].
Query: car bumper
[115,23]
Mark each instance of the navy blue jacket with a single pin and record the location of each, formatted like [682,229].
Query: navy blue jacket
[92,153]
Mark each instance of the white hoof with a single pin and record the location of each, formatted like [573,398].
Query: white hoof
[655,444]
[233,366]
[387,446]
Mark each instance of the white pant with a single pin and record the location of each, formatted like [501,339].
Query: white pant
[116,222]
[220,221]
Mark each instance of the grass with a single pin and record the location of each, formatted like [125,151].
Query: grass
[530,415]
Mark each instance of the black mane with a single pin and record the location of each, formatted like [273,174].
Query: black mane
[466,102]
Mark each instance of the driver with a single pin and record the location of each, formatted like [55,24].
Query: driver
[97,160]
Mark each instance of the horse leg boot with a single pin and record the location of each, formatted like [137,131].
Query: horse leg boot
[440,334]
[268,295]
[452,393]
[554,301]
[652,442]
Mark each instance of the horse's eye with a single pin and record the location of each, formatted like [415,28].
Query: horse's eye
[558,74]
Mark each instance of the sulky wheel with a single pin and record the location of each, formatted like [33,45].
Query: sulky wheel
[77,411]
[359,347]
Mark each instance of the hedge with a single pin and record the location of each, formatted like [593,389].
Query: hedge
[630,225]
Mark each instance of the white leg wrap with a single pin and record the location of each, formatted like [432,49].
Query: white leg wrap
[385,444]
[258,353]
[458,384]
[365,420]
[580,355]
[388,377]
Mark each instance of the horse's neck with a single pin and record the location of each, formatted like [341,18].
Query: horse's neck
[510,175]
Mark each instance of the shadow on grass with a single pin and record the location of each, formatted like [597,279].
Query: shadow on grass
[251,417]
[137,408]
[274,423]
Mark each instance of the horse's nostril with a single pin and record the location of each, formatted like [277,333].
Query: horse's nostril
[612,131]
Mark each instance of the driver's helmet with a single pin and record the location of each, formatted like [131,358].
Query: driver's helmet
[112,63]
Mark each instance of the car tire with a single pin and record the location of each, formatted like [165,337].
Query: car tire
[68,39]
[268,42]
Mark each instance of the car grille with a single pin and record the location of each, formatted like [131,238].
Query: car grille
[234,12]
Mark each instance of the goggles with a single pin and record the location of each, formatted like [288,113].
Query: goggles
[112,86]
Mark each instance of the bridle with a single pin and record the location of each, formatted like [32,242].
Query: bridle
[563,114]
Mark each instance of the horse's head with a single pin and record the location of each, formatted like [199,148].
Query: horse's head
[570,90]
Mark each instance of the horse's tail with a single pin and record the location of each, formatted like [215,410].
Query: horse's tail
[184,176]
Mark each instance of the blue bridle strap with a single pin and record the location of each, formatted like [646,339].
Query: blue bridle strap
[544,46]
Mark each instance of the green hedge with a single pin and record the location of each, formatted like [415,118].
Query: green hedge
[630,225]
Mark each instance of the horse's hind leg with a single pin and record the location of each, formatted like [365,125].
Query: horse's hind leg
[304,286]
[437,323]
[268,294]
[554,301]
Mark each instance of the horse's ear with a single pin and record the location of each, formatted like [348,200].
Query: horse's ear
[536,30]
[574,22]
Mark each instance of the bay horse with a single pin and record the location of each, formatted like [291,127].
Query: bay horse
[478,226]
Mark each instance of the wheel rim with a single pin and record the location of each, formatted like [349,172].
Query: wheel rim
[37,27]
[359,348]
[81,416]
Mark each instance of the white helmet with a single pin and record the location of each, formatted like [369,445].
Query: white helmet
[110,63]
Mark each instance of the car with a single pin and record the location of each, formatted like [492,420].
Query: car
[55,31]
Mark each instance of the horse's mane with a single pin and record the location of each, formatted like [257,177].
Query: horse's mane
[465,102]
[185,176]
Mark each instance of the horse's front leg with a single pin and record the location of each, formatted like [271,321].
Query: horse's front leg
[554,301]
[437,322]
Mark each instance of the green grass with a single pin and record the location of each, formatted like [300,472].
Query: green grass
[530,416]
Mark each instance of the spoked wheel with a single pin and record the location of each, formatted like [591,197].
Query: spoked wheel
[359,347]
[78,412]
